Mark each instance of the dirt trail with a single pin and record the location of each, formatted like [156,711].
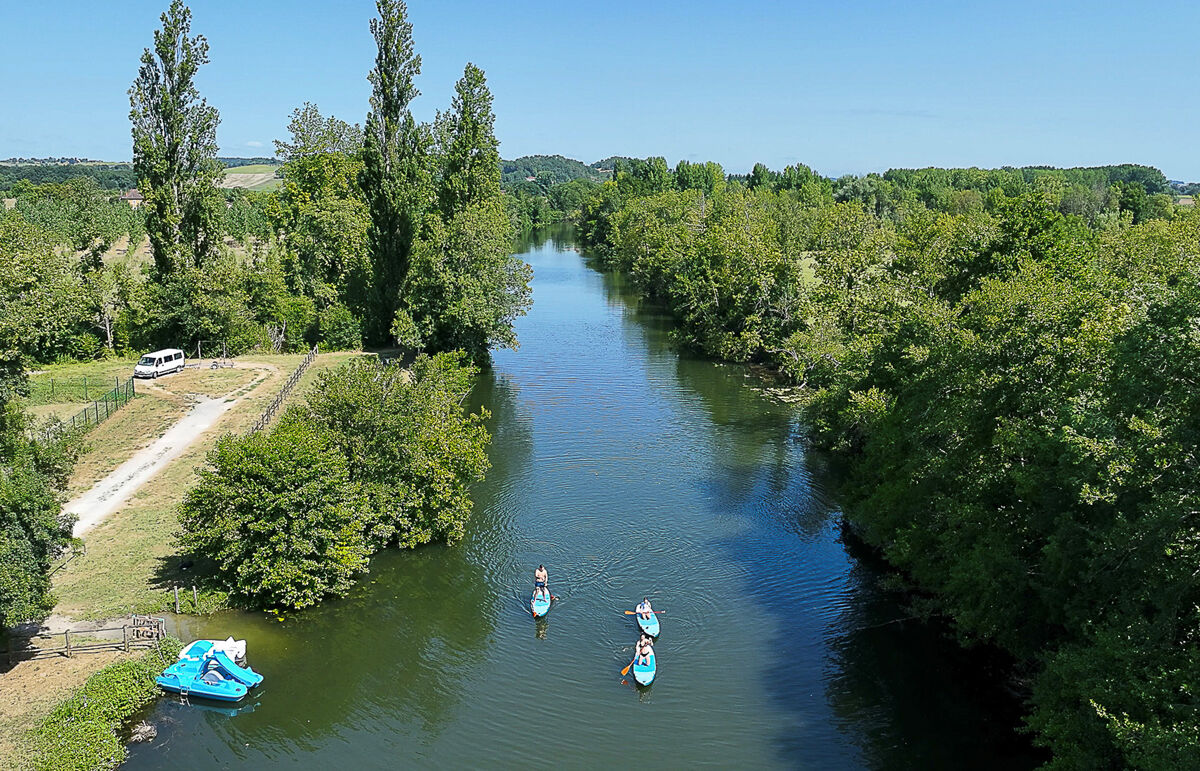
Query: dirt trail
[108,494]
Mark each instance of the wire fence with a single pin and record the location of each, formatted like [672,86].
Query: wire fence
[66,390]
[94,413]
[277,402]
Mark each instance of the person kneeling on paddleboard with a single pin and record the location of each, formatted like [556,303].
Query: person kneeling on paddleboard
[540,579]
[644,610]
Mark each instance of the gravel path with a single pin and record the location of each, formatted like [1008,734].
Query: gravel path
[107,495]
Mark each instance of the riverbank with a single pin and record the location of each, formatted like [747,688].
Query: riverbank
[1011,391]
[45,731]
[127,564]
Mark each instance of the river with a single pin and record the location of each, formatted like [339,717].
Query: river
[629,470]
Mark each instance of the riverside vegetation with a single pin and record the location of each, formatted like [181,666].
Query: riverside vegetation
[396,235]
[1005,360]
[81,733]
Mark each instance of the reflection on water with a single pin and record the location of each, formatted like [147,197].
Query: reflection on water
[628,470]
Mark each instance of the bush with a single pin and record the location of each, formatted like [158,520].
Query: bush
[407,442]
[381,456]
[279,515]
[81,732]
[339,329]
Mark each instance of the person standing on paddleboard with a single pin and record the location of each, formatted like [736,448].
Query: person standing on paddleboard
[644,610]
[541,579]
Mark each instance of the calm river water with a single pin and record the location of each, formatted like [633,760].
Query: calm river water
[628,470]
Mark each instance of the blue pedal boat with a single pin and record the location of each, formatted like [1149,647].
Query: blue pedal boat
[205,671]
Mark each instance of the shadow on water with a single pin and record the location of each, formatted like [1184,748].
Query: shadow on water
[862,684]
[902,679]
[430,603]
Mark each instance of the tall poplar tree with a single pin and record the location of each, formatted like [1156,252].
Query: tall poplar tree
[395,162]
[470,152]
[465,286]
[175,146]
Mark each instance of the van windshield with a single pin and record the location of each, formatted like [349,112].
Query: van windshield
[147,361]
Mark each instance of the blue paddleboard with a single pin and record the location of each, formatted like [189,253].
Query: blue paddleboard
[649,625]
[644,673]
[540,605]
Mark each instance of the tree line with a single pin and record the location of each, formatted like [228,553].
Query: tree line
[1010,387]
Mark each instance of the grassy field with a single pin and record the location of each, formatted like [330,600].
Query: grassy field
[101,371]
[254,168]
[130,563]
[61,410]
[258,176]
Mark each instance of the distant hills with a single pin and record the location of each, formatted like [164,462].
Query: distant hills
[545,171]
[64,161]
[109,175]
[549,170]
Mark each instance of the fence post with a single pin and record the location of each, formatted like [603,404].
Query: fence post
[177,599]
[195,599]
[67,636]
[125,634]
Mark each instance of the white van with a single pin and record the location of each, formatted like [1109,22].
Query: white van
[162,362]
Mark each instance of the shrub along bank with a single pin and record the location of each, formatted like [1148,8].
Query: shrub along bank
[1014,392]
[81,734]
[378,456]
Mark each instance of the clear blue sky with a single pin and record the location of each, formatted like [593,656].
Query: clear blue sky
[843,87]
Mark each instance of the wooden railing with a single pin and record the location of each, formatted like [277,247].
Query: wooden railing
[141,632]
[277,402]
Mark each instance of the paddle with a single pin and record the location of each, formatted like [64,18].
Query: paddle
[634,612]
[625,671]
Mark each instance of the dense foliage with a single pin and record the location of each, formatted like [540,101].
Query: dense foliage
[110,176]
[277,514]
[379,457]
[323,259]
[81,733]
[436,215]
[33,476]
[175,146]
[1011,386]
[546,170]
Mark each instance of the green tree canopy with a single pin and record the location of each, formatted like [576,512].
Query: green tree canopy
[175,146]
[277,513]
[395,162]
